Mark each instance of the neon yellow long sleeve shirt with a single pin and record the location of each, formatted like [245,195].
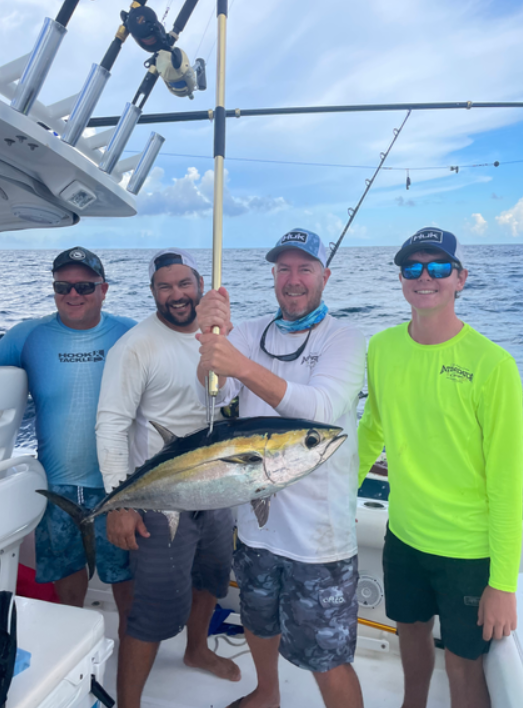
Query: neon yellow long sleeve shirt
[451,418]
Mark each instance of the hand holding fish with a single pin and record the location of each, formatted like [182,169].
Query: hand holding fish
[214,311]
[122,527]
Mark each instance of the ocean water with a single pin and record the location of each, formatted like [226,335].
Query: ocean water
[364,287]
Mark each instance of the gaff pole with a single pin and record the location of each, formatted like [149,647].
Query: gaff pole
[219,156]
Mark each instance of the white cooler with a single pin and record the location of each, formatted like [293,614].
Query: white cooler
[67,647]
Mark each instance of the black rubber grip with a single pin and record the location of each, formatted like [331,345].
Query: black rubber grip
[219,132]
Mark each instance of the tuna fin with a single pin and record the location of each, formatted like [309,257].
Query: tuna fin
[81,519]
[244,458]
[167,435]
[261,509]
[173,519]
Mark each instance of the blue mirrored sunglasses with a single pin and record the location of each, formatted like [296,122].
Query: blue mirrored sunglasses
[411,270]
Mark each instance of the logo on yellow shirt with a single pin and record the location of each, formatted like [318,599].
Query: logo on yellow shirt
[457,373]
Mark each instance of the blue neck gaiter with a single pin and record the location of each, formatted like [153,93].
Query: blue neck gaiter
[305,322]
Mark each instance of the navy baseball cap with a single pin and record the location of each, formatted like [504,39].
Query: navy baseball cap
[431,239]
[79,256]
[306,241]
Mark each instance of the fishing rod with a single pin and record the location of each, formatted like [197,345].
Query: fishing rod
[219,156]
[187,116]
[368,185]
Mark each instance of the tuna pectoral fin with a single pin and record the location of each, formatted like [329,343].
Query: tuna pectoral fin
[246,458]
[173,519]
[261,509]
[81,519]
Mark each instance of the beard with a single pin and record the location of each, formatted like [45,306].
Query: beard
[170,314]
[291,314]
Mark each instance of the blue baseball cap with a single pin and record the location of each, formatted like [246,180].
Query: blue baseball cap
[306,241]
[431,239]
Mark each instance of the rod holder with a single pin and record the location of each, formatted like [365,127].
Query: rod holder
[85,104]
[147,159]
[40,61]
[121,135]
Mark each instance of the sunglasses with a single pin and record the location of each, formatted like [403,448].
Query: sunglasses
[62,287]
[283,357]
[412,270]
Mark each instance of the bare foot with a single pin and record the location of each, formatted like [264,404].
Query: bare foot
[217,665]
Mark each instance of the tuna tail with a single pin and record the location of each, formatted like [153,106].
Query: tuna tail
[82,518]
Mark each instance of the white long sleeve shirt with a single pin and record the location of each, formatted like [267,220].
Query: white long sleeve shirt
[313,520]
[149,376]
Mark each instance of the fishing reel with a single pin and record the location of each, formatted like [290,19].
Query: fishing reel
[146,29]
[172,64]
[179,76]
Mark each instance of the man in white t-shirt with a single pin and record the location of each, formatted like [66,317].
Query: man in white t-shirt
[298,574]
[150,377]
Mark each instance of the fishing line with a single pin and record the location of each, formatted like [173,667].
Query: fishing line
[205,31]
[427,168]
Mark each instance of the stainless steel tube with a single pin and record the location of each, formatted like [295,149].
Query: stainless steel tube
[120,137]
[85,105]
[147,159]
[38,66]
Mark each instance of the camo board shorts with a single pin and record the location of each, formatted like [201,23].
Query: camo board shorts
[59,549]
[312,605]
[165,572]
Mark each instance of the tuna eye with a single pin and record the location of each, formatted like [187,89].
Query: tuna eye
[313,438]
[253,459]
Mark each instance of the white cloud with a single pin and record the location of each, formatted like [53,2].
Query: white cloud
[192,195]
[479,225]
[513,219]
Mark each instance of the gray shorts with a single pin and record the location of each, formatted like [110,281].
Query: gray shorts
[165,573]
[312,605]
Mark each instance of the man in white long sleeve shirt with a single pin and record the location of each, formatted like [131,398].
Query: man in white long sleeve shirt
[298,574]
[150,377]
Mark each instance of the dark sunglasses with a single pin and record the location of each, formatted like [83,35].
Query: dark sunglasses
[283,357]
[62,287]
[412,270]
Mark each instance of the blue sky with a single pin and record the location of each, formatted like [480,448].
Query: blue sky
[296,53]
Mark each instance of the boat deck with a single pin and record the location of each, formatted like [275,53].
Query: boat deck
[173,685]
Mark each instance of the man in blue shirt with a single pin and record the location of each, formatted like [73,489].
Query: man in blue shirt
[64,356]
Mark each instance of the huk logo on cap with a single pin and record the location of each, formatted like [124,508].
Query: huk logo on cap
[294,236]
[77,255]
[432,235]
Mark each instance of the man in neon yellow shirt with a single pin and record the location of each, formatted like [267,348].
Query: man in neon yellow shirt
[447,404]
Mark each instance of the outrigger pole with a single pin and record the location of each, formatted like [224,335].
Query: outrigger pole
[186,116]
[219,156]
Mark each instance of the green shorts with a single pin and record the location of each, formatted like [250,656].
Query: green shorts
[420,585]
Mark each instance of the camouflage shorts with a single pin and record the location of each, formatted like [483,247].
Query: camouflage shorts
[312,605]
[59,548]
